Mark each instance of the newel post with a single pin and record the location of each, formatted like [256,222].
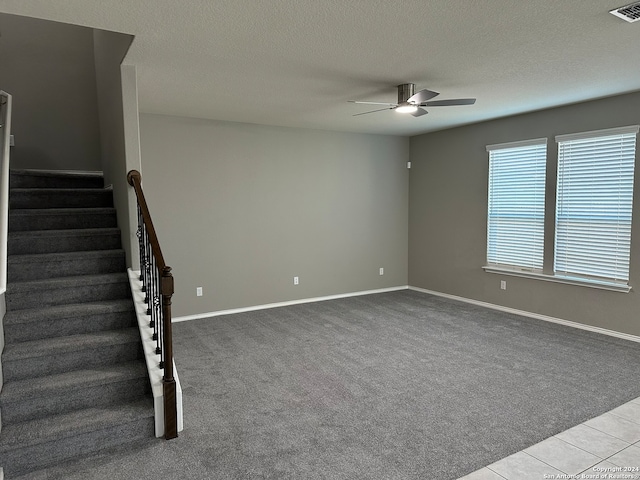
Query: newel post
[168,382]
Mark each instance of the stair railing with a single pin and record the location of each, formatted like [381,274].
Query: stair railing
[5,143]
[157,284]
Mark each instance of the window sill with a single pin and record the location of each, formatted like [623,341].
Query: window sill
[581,282]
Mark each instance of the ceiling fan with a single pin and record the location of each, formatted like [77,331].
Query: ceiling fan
[410,101]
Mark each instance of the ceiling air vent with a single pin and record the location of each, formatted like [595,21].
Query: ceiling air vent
[629,13]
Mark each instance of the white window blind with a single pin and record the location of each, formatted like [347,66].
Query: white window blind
[515,220]
[594,203]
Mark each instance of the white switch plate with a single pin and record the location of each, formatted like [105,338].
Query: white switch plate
[381,271]
[503,284]
[198,291]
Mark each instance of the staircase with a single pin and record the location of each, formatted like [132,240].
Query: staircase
[75,381]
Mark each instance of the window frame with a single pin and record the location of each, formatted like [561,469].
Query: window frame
[549,257]
[599,220]
[531,200]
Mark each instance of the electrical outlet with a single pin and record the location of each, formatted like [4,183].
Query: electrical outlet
[381,271]
[296,280]
[198,291]
[503,284]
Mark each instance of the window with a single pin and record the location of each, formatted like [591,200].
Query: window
[515,220]
[594,203]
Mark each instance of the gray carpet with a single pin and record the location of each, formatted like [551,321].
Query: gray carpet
[400,385]
[75,381]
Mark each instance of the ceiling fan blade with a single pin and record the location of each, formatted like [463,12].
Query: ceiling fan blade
[372,111]
[373,103]
[419,112]
[422,96]
[448,103]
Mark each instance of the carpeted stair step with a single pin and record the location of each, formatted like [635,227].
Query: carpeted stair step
[58,321]
[62,354]
[26,198]
[61,218]
[67,290]
[74,240]
[75,381]
[34,398]
[30,446]
[42,179]
[49,265]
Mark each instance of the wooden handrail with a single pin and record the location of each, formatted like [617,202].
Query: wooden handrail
[135,180]
[166,291]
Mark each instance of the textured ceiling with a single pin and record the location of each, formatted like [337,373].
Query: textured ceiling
[297,62]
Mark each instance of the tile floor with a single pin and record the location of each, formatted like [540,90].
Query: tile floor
[605,447]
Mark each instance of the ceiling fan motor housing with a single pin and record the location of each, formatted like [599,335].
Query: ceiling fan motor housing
[405,91]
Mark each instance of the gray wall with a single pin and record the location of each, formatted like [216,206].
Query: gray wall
[131,126]
[242,209]
[448,213]
[110,48]
[48,67]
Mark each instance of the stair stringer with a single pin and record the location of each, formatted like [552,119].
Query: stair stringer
[152,358]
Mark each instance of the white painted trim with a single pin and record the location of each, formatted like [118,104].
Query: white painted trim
[151,357]
[97,173]
[598,133]
[537,316]
[5,154]
[521,143]
[524,313]
[286,304]
[579,282]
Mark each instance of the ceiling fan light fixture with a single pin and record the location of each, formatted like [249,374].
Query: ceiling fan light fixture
[406,108]
[411,102]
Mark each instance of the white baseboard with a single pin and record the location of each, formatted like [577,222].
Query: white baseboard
[546,318]
[285,304]
[524,313]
